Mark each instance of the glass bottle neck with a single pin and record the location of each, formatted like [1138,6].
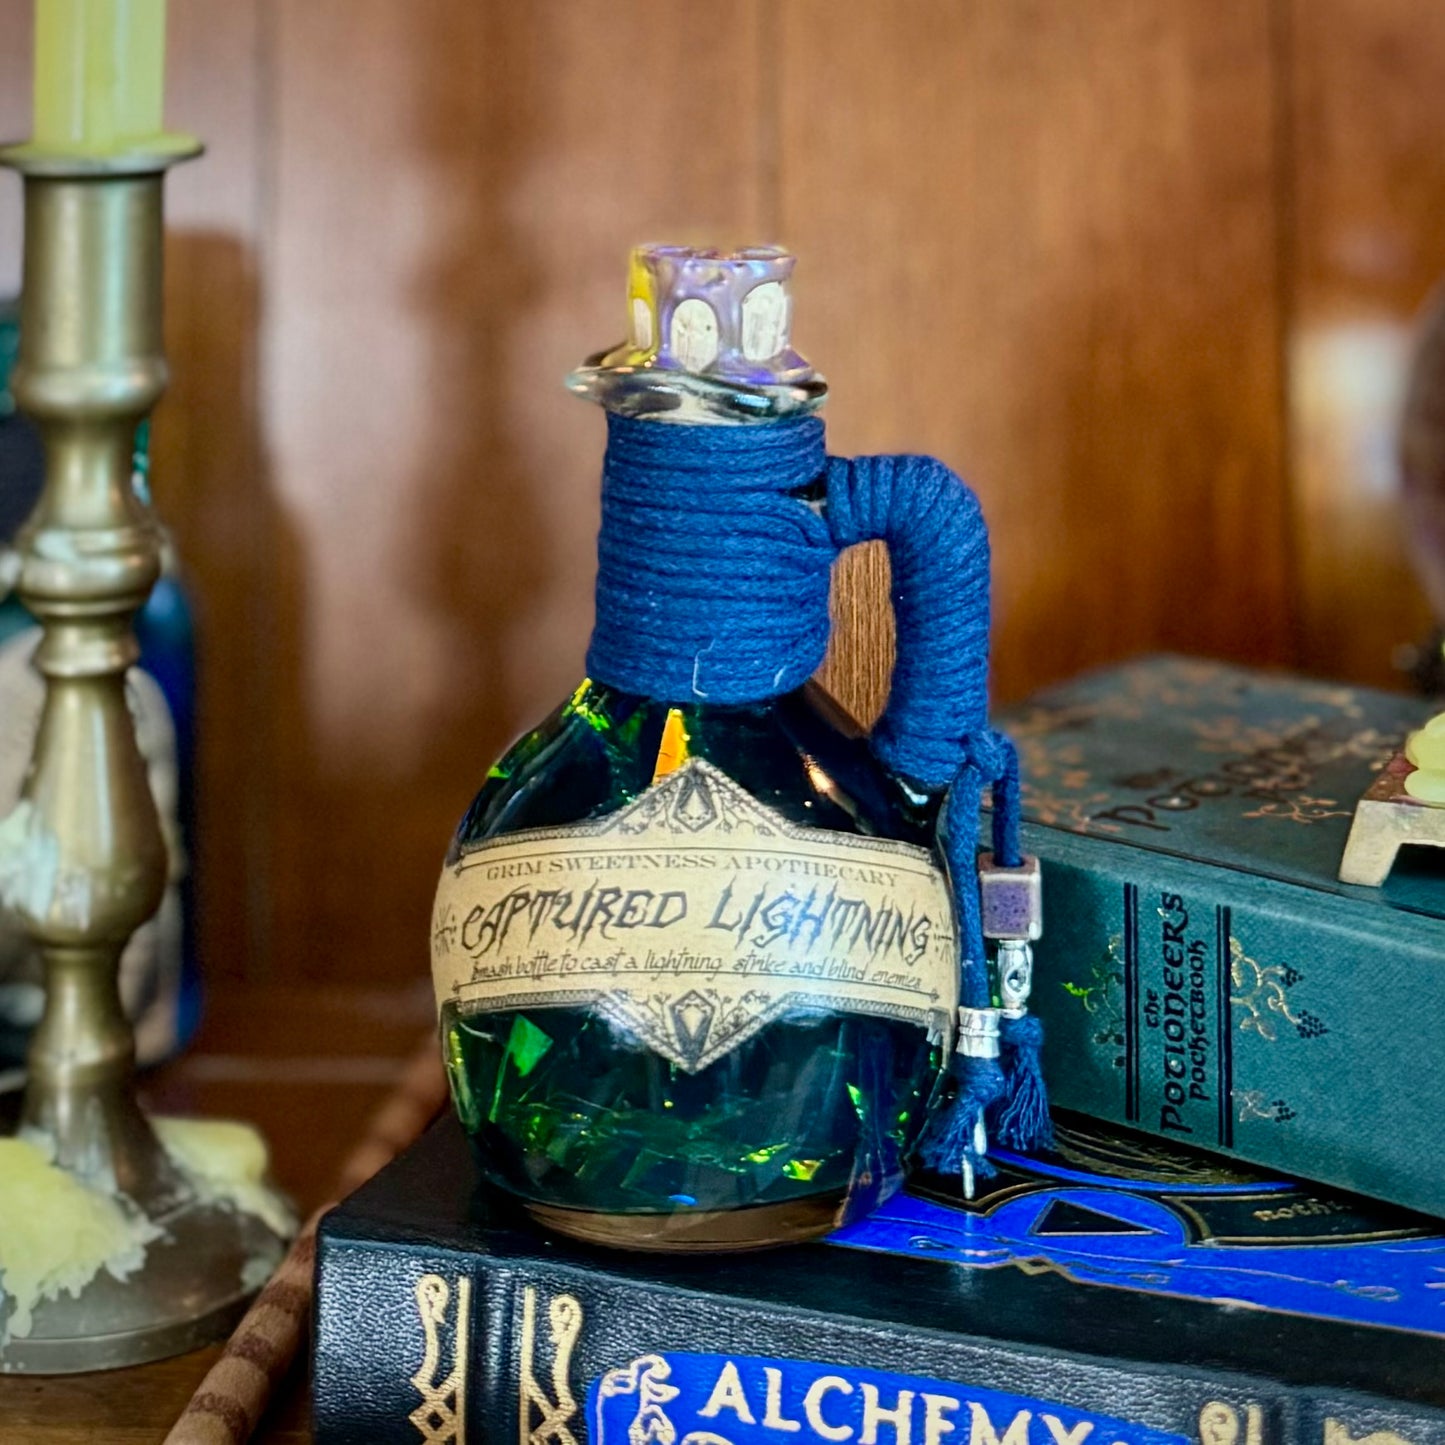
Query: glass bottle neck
[665,395]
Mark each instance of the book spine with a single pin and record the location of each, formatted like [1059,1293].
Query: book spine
[421,1345]
[403,1345]
[1225,1011]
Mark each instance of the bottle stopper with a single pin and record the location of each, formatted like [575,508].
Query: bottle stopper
[726,315]
[707,331]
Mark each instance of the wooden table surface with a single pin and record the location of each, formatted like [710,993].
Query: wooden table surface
[307,1066]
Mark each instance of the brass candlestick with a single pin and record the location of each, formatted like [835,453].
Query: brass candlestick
[86,863]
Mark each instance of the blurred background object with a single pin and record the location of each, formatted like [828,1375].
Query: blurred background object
[1144,271]
[159,977]
[1422,459]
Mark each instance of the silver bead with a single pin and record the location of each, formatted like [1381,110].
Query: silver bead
[1015,976]
[978,1033]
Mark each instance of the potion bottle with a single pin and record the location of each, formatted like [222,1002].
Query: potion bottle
[695,945]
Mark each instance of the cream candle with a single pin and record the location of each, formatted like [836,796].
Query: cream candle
[99,76]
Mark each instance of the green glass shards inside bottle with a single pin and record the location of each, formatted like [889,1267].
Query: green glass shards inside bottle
[650,1036]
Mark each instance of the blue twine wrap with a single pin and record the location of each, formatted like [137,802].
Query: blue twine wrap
[714,564]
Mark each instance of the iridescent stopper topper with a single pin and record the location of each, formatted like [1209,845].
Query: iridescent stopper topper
[708,338]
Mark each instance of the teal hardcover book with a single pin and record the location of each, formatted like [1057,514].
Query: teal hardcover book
[1204,975]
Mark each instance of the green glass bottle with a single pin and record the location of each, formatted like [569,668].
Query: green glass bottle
[608,938]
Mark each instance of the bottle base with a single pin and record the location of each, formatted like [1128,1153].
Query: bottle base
[715,1231]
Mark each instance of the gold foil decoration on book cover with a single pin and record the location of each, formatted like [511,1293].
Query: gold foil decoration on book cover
[552,1416]
[441,1418]
[695,915]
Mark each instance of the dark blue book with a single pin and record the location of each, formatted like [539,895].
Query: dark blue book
[1117,1293]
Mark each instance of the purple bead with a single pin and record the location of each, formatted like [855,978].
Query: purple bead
[1012,899]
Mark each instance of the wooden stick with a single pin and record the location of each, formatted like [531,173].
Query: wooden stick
[238,1387]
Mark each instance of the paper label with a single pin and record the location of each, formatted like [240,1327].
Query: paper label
[695,915]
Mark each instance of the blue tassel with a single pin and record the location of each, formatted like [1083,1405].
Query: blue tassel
[1022,1120]
[948,1145]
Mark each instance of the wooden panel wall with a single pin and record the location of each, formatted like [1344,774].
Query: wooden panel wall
[1103,259]
[1038,242]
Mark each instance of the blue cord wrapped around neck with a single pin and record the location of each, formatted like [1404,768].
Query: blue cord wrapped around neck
[714,562]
